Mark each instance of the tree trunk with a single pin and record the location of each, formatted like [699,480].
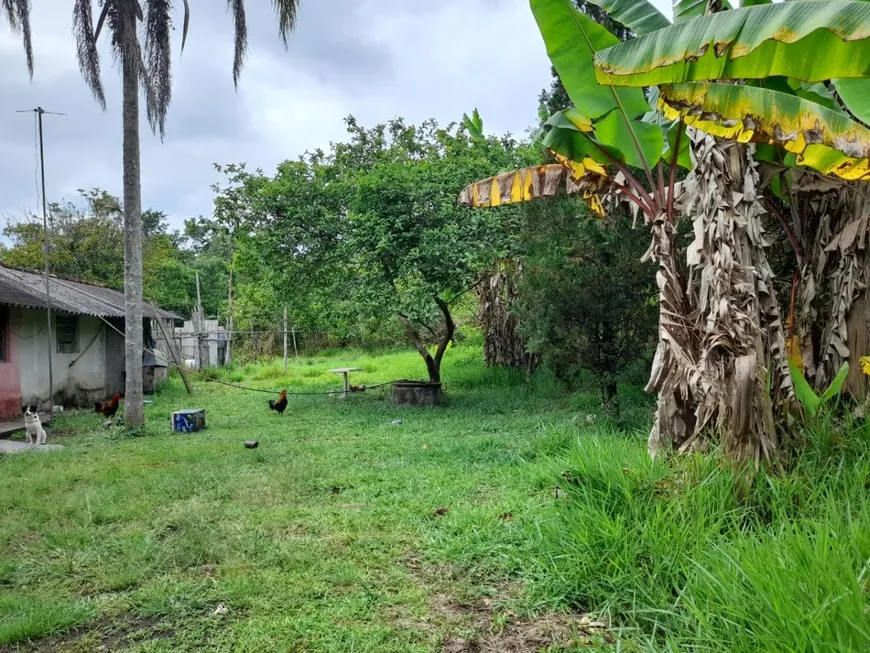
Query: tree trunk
[503,344]
[721,368]
[833,314]
[133,399]
[675,363]
[433,363]
[610,396]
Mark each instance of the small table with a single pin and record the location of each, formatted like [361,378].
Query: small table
[344,371]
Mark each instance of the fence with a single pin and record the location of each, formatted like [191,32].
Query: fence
[216,346]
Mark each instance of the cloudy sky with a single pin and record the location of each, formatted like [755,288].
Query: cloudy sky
[375,59]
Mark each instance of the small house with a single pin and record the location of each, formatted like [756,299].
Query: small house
[87,348]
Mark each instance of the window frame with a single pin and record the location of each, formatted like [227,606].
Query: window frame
[68,320]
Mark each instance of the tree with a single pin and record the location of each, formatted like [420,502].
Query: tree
[721,345]
[370,232]
[586,299]
[146,68]
[87,244]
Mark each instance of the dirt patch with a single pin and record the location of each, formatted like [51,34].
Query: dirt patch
[486,623]
[103,636]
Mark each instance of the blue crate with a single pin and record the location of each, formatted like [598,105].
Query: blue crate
[188,420]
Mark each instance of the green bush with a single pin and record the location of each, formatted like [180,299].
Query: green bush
[587,301]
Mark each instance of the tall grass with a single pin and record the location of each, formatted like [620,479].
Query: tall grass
[688,555]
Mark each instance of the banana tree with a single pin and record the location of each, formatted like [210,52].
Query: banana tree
[810,106]
[721,357]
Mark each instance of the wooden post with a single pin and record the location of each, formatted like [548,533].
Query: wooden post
[230,319]
[202,343]
[285,341]
[295,351]
[175,358]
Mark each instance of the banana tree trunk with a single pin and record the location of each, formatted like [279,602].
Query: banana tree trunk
[833,314]
[133,398]
[675,365]
[744,382]
[721,369]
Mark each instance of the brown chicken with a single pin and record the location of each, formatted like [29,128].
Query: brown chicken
[109,408]
[281,404]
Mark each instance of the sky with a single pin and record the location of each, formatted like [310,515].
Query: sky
[375,59]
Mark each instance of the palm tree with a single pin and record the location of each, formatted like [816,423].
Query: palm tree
[146,67]
[17,14]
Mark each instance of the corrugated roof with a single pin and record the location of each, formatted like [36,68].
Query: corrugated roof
[24,288]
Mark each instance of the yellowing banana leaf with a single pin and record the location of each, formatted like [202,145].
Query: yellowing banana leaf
[640,16]
[575,145]
[527,184]
[572,38]
[570,118]
[855,94]
[822,139]
[809,41]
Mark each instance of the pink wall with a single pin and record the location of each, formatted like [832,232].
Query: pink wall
[10,377]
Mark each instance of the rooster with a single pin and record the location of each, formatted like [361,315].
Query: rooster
[281,404]
[109,408]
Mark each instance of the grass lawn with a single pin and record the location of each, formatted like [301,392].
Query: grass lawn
[325,538]
[491,524]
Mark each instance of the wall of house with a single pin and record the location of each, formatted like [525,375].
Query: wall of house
[115,376]
[10,385]
[79,378]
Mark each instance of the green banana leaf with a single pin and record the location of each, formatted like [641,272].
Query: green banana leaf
[572,38]
[822,139]
[836,385]
[474,124]
[615,132]
[809,41]
[855,94]
[804,393]
[640,16]
[688,9]
[684,158]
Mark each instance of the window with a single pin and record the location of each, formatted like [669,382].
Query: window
[67,334]
[4,319]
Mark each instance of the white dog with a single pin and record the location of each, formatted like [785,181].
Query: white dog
[33,426]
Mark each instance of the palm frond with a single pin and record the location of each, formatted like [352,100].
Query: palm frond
[288,12]
[158,61]
[18,16]
[240,23]
[186,24]
[86,49]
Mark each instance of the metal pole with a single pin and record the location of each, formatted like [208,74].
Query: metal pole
[285,341]
[39,112]
[295,351]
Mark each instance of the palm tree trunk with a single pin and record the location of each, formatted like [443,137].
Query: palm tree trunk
[133,400]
